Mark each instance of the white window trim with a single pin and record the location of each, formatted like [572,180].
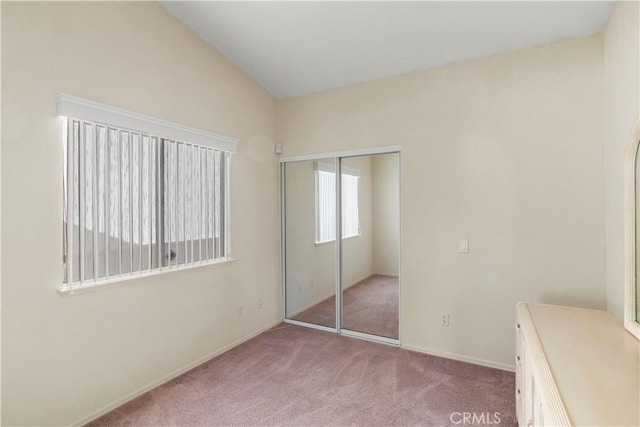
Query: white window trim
[333,240]
[84,109]
[71,107]
[118,281]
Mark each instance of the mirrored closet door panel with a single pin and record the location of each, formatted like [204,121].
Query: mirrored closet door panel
[370,244]
[309,207]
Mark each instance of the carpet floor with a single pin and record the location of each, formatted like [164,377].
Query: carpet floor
[294,376]
[370,306]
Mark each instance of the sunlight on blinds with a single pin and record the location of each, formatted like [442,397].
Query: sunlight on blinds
[123,189]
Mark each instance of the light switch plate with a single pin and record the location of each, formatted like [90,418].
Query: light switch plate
[463,246]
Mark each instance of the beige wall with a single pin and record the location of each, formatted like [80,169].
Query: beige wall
[65,359]
[385,170]
[622,98]
[505,151]
[310,267]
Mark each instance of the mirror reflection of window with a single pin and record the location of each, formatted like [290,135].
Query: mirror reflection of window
[326,202]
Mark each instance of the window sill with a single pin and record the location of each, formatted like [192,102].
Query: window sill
[125,279]
[333,240]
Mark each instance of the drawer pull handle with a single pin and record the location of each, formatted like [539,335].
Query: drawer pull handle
[518,391]
[518,325]
[518,358]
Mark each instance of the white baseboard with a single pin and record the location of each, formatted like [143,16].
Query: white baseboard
[461,358]
[311,304]
[324,298]
[172,375]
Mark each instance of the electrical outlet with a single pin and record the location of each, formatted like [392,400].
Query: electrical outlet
[239,311]
[444,319]
[260,304]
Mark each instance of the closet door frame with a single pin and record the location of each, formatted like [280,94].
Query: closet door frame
[337,156]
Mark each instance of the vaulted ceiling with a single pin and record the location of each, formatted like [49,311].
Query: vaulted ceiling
[297,48]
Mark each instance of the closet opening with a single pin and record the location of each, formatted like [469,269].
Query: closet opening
[341,242]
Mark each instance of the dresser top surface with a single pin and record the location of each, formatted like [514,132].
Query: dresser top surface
[594,361]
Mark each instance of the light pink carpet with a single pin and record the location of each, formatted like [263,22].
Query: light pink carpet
[370,306]
[293,376]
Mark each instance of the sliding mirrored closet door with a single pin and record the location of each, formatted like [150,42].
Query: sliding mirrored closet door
[341,222]
[370,244]
[309,247]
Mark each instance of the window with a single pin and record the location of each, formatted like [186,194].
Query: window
[138,202]
[326,202]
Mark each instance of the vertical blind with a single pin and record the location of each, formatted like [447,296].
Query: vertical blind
[326,203]
[350,214]
[325,206]
[135,202]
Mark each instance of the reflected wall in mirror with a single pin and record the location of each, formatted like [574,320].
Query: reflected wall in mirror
[310,250]
[370,244]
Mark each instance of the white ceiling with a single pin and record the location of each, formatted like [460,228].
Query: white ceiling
[296,48]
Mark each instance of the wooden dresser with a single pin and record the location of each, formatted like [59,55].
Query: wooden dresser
[576,367]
